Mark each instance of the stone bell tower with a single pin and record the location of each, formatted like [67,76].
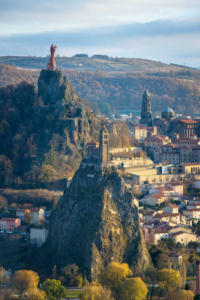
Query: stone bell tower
[104,146]
[146,114]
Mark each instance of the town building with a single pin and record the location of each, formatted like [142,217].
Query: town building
[156,141]
[184,238]
[93,149]
[162,125]
[176,153]
[185,128]
[38,235]
[171,208]
[37,214]
[9,224]
[154,199]
[176,187]
[192,168]
[193,213]
[140,132]
[168,114]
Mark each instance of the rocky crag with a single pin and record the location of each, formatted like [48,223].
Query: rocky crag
[44,132]
[96,222]
[62,104]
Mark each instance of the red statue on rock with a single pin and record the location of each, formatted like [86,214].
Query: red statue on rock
[52,64]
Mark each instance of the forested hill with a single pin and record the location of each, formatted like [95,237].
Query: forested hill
[10,75]
[119,82]
[124,91]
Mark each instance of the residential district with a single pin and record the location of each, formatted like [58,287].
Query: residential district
[161,169]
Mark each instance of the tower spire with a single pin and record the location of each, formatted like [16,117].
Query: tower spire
[146,114]
[103,146]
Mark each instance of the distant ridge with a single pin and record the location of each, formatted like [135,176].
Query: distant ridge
[97,62]
[119,82]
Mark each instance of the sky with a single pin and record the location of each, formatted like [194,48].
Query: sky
[161,30]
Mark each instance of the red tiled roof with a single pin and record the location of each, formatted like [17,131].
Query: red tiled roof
[156,137]
[149,213]
[92,143]
[193,209]
[175,184]
[193,204]
[195,141]
[187,121]
[177,233]
[173,205]
[140,126]
[166,215]
[170,152]
[9,219]
[191,164]
[158,195]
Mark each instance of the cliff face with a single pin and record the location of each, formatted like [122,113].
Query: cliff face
[61,104]
[44,133]
[96,222]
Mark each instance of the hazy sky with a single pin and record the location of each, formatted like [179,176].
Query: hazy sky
[163,30]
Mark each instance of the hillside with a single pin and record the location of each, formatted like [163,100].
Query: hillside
[124,90]
[119,82]
[11,75]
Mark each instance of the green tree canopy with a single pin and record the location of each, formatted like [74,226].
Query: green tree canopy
[169,280]
[113,275]
[24,280]
[54,289]
[184,295]
[133,289]
[94,291]
[72,275]
[34,294]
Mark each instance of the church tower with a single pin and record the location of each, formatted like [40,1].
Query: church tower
[104,146]
[146,114]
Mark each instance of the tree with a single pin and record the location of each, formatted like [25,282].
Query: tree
[184,295]
[34,294]
[113,275]
[94,291]
[48,173]
[159,257]
[3,202]
[24,280]
[2,275]
[169,280]
[27,216]
[72,275]
[54,289]
[133,289]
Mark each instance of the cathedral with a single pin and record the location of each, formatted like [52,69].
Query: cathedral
[146,114]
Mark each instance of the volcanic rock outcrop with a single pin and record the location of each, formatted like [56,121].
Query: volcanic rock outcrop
[96,222]
[44,133]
